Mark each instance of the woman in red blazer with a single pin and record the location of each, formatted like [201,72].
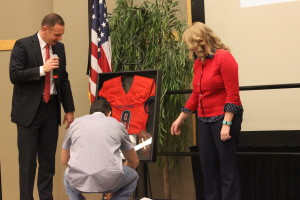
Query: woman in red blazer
[216,100]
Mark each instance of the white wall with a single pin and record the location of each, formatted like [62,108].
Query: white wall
[23,18]
[265,42]
[17,19]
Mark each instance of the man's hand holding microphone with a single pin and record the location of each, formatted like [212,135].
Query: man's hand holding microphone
[51,63]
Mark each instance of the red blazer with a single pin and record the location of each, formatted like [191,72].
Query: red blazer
[215,83]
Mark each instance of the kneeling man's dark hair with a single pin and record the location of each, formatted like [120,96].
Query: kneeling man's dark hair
[100,105]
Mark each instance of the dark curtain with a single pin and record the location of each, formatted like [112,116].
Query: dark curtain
[263,177]
[197,174]
[270,177]
[269,164]
[198,11]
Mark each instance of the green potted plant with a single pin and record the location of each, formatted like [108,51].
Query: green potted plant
[148,37]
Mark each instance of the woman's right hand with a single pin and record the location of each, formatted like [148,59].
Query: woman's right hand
[175,128]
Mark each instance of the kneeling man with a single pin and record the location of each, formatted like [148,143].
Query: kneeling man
[91,152]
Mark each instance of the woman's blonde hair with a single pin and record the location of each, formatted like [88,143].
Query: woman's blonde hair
[198,37]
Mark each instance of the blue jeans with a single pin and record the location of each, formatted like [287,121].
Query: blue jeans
[120,192]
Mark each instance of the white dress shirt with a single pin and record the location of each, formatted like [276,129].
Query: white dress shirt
[42,73]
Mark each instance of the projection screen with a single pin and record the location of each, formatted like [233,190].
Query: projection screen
[265,40]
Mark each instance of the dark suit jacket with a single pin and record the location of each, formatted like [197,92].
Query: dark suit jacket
[24,71]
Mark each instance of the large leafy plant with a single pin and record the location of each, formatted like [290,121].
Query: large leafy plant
[148,37]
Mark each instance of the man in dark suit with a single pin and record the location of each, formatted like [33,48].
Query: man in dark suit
[41,85]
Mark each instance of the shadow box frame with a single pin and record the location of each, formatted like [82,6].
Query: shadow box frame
[152,126]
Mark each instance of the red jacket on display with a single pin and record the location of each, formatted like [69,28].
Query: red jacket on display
[129,108]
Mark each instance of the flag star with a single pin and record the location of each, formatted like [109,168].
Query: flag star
[103,24]
[102,34]
[104,15]
[99,29]
[93,16]
[93,6]
[98,39]
[99,50]
[101,1]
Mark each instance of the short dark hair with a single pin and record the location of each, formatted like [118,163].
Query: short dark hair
[101,105]
[51,19]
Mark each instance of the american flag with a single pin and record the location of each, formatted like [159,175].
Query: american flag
[100,58]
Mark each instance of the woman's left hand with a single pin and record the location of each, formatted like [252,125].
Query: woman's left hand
[225,133]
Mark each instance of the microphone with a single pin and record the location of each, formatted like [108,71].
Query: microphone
[55,73]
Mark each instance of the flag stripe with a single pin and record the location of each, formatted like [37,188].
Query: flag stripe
[107,51]
[100,58]
[94,61]
[105,67]
[92,87]
[94,76]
